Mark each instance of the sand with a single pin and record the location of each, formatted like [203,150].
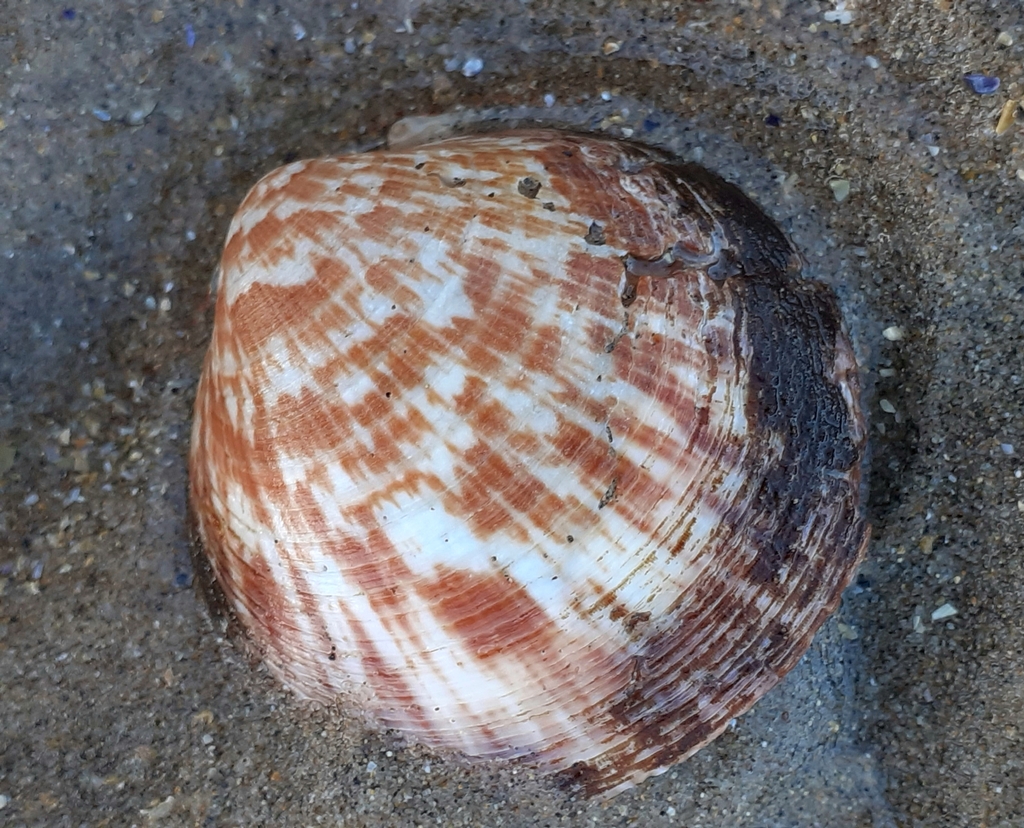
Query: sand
[128,135]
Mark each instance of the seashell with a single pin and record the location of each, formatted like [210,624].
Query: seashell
[530,445]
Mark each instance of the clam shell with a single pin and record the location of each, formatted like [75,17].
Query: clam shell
[529,445]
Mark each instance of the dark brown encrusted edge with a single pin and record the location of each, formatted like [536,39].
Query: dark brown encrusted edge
[792,327]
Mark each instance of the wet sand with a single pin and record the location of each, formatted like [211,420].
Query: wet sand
[128,136]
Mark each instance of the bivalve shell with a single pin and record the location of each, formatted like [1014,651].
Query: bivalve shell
[530,445]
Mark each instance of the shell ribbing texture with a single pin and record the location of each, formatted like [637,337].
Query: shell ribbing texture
[528,445]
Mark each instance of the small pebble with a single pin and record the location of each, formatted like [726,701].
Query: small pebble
[190,35]
[371,766]
[887,406]
[549,100]
[610,47]
[298,31]
[872,62]
[31,499]
[472,67]
[101,114]
[1007,116]
[945,611]
[894,333]
[982,84]
[1005,39]
[7,455]
[840,15]
[159,811]
[138,115]
[840,188]
[1006,448]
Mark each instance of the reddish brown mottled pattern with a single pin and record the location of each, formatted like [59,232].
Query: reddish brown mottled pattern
[576,581]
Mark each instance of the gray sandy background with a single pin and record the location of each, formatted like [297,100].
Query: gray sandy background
[129,132]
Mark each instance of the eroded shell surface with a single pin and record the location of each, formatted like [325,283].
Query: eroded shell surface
[530,445]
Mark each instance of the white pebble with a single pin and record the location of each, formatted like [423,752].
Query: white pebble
[894,333]
[872,61]
[840,189]
[472,67]
[549,100]
[371,766]
[298,31]
[841,17]
[1007,448]
[887,406]
[945,611]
